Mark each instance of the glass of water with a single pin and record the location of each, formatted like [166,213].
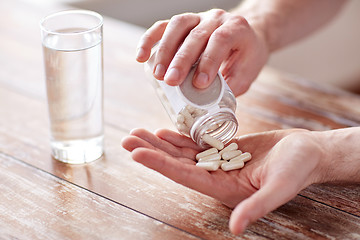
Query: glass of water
[73,57]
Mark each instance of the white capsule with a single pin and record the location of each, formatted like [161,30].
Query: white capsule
[243,157]
[198,112]
[230,147]
[209,166]
[231,154]
[190,109]
[180,118]
[232,165]
[182,128]
[206,153]
[212,157]
[188,119]
[212,141]
[213,127]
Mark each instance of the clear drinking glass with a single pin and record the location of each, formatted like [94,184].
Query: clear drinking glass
[73,57]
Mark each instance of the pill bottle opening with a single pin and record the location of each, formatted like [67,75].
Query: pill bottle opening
[221,125]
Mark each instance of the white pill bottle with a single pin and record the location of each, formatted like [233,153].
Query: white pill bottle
[194,111]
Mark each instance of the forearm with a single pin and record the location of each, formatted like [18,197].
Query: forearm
[341,161]
[282,22]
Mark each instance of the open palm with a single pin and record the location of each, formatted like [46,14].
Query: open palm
[282,164]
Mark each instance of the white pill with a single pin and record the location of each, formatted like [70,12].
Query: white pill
[206,153]
[182,128]
[191,109]
[231,154]
[213,127]
[230,147]
[212,157]
[232,165]
[243,157]
[212,141]
[188,119]
[198,112]
[180,118]
[209,166]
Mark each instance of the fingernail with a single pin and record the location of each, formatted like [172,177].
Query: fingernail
[159,71]
[172,75]
[201,80]
[140,53]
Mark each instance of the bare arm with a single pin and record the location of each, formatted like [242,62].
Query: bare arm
[282,21]
[343,161]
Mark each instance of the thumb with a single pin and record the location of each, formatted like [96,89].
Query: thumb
[267,198]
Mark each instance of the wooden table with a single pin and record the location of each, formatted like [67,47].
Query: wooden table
[117,198]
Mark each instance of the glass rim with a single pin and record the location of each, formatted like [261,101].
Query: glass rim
[64,12]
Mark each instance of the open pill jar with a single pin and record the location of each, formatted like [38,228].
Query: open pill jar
[194,111]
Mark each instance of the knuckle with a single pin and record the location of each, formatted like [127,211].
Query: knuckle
[181,57]
[147,37]
[209,59]
[160,24]
[218,12]
[222,34]
[238,20]
[199,34]
[181,19]
[162,50]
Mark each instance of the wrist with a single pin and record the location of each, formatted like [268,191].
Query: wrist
[264,22]
[341,160]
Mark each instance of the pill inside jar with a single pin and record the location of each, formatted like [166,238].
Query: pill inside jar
[196,112]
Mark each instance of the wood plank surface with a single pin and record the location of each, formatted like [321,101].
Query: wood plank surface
[117,186]
[42,206]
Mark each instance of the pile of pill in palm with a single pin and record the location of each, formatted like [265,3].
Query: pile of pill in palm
[227,158]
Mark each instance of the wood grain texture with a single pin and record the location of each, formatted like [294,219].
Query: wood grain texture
[117,186]
[342,196]
[37,205]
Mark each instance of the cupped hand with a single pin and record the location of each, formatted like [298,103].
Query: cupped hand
[283,163]
[221,40]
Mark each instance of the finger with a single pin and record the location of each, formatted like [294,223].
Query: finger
[237,80]
[221,43]
[177,139]
[186,174]
[187,146]
[149,38]
[191,48]
[156,142]
[236,74]
[259,204]
[132,142]
[241,69]
[161,144]
[176,30]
